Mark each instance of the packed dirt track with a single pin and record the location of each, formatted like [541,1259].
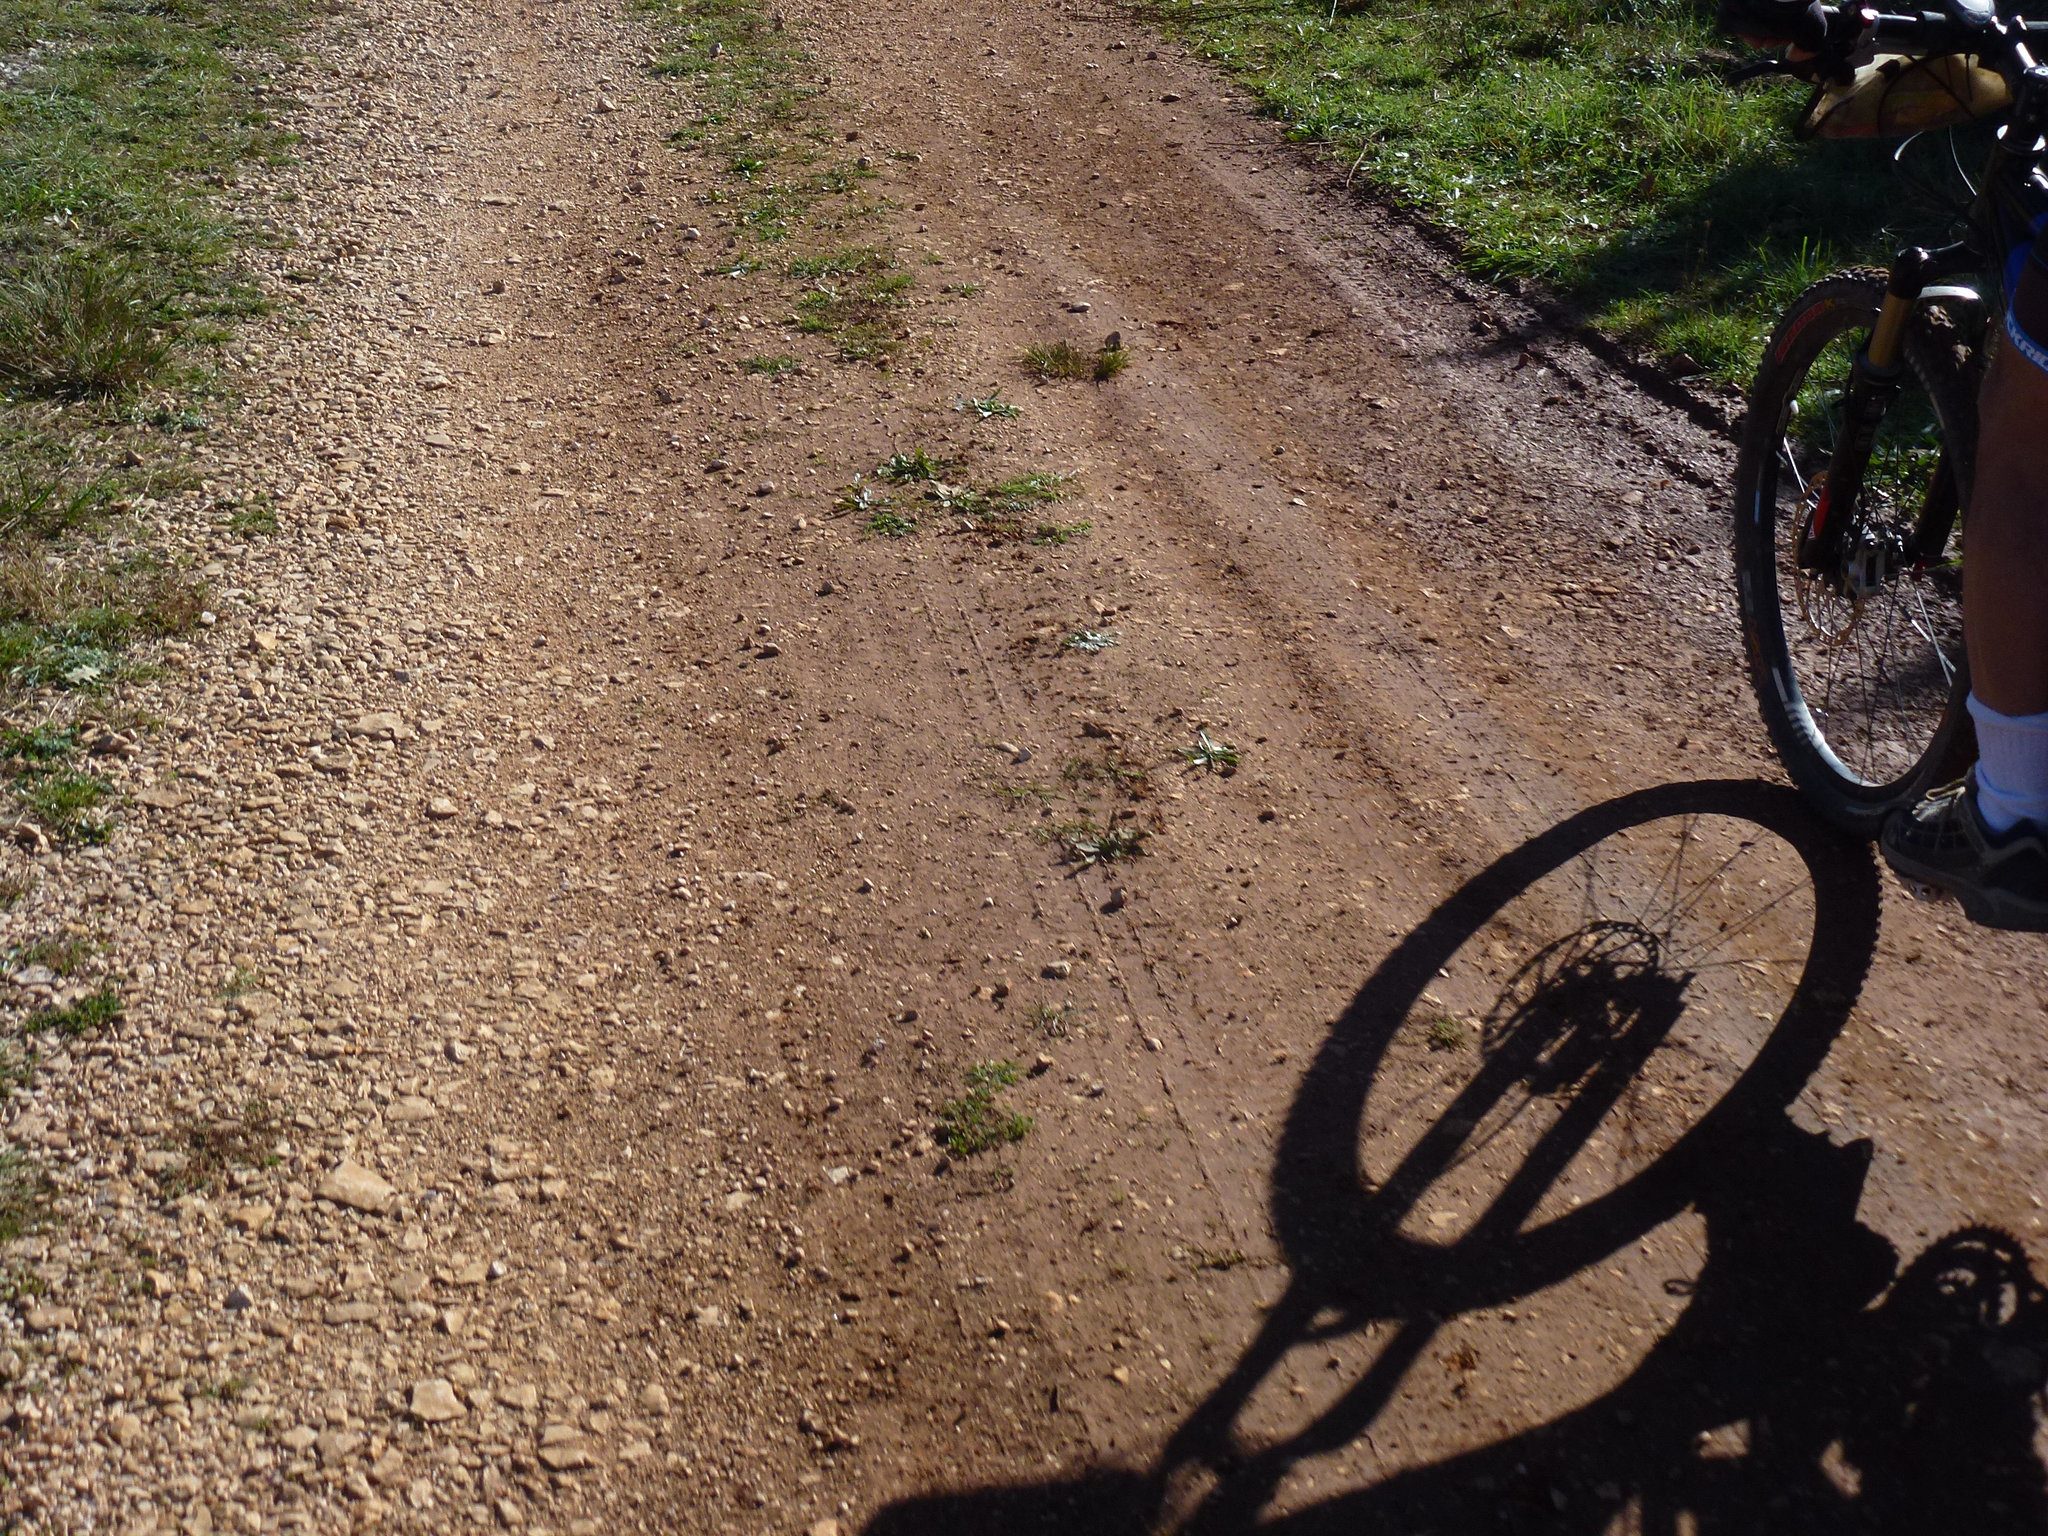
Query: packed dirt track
[1222,952]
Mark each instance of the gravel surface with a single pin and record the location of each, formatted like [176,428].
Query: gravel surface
[576,874]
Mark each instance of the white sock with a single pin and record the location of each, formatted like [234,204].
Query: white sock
[2012,767]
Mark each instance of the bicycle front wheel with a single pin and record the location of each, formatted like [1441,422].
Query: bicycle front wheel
[1857,657]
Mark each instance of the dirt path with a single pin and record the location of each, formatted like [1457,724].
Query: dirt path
[583,867]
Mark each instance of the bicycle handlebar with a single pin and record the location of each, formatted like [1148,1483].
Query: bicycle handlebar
[1963,28]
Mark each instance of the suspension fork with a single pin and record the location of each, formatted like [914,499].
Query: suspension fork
[1874,381]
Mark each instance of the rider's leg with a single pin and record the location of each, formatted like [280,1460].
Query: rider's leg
[2005,570]
[1987,841]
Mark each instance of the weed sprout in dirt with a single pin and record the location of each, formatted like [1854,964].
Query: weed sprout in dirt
[974,1123]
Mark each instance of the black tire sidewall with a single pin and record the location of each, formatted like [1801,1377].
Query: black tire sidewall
[1820,315]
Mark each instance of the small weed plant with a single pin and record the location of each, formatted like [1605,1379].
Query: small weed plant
[851,262]
[1086,843]
[1444,1033]
[974,1123]
[860,497]
[1062,362]
[1210,754]
[88,1016]
[917,464]
[212,1149]
[25,1196]
[889,523]
[989,407]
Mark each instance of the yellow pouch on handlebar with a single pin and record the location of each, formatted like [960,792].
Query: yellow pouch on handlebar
[1895,95]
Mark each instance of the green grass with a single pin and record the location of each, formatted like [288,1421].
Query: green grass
[1210,754]
[851,262]
[974,1123]
[754,83]
[769,367]
[39,765]
[253,520]
[87,1016]
[1443,1033]
[917,464]
[26,1194]
[989,407]
[735,54]
[67,803]
[63,956]
[861,316]
[124,112]
[1585,144]
[122,270]
[1005,511]
[1063,362]
[888,523]
[212,1149]
[73,327]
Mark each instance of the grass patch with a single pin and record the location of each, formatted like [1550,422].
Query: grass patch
[1086,843]
[1210,754]
[1589,146]
[1090,642]
[752,77]
[255,520]
[242,980]
[120,273]
[860,316]
[769,367]
[736,54]
[917,464]
[989,407]
[68,803]
[851,262]
[974,1123]
[66,626]
[25,1196]
[888,523]
[1005,512]
[1443,1033]
[88,1016]
[62,957]
[65,800]
[1063,362]
[1061,533]
[37,502]
[72,328]
[1056,1019]
[212,1149]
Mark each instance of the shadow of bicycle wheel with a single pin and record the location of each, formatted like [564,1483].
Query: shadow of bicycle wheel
[1581,1064]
